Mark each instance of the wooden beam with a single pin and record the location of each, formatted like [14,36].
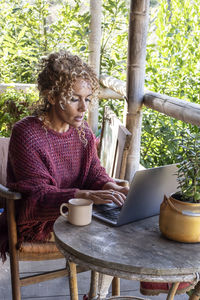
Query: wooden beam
[115,84]
[180,109]
[32,279]
[106,93]
[17,86]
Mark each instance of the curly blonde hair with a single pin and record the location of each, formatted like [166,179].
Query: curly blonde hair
[58,73]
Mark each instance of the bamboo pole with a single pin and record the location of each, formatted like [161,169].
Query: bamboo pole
[94,55]
[183,110]
[17,86]
[106,93]
[115,84]
[135,80]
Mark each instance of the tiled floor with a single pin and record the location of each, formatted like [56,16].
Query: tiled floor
[57,289]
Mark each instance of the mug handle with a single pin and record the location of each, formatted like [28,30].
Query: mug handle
[61,209]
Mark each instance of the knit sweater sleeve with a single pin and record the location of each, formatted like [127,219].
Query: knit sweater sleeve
[28,173]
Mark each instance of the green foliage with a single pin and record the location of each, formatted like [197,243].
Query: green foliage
[116,105]
[172,68]
[29,30]
[161,136]
[173,58]
[23,39]
[14,105]
[114,48]
[189,165]
[70,30]
[114,38]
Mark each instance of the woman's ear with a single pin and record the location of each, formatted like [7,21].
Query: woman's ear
[51,100]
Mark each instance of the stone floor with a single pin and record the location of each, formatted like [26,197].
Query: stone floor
[57,289]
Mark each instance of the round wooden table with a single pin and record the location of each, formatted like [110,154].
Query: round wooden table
[135,251]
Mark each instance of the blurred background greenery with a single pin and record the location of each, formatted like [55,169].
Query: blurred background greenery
[31,29]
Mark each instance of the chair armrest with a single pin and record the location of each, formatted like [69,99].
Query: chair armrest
[7,194]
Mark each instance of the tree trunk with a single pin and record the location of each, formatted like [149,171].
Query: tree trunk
[135,80]
[94,55]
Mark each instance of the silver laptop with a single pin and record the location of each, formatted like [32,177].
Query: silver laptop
[146,193]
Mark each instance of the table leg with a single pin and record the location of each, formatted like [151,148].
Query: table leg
[172,291]
[196,293]
[73,281]
[116,286]
[103,285]
[93,285]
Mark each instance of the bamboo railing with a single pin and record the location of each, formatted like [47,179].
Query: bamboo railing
[112,88]
[183,110]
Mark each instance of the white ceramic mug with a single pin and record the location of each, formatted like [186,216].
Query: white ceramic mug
[79,211]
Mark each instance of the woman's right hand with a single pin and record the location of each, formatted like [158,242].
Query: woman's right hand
[102,196]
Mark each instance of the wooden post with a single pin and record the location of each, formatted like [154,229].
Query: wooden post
[116,286]
[73,281]
[93,284]
[172,291]
[94,55]
[135,80]
[14,263]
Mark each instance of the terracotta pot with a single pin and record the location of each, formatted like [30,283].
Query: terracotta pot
[180,221]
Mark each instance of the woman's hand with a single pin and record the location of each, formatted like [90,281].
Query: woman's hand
[113,186]
[102,196]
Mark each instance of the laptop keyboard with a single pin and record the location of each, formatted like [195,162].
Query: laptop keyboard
[107,212]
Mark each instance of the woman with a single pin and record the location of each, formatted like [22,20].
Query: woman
[52,154]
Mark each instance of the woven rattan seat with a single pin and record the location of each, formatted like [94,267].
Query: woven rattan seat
[39,251]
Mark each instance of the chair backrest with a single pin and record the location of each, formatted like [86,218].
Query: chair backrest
[4,143]
[113,140]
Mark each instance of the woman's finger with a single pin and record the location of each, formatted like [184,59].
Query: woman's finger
[118,198]
[107,196]
[99,199]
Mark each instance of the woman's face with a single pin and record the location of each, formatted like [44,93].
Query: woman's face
[72,110]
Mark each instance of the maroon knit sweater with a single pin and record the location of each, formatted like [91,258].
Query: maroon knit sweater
[47,167]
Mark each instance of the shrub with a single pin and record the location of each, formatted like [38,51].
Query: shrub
[14,105]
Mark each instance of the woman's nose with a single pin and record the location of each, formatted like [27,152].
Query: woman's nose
[82,105]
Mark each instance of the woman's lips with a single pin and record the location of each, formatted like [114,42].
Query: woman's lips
[78,119]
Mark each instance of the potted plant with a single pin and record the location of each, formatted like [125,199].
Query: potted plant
[180,213]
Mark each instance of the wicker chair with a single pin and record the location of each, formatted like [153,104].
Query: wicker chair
[27,251]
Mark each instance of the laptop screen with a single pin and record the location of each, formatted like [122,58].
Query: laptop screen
[146,193]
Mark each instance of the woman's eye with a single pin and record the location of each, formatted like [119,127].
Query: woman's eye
[77,100]
[74,99]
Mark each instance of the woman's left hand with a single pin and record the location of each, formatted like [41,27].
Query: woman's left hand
[102,196]
[111,192]
[113,186]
